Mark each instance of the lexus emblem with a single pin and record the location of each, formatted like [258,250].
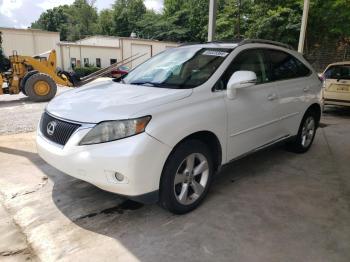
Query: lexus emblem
[50,129]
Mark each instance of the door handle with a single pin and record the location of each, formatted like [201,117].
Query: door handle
[306,89]
[272,97]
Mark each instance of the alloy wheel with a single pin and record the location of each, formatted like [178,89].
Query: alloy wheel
[191,178]
[308,131]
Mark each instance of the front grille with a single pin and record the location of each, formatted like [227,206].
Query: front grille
[56,130]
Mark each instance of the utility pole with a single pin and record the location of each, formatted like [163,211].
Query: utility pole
[303,26]
[239,19]
[212,20]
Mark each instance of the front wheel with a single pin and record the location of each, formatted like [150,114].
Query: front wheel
[306,134]
[186,177]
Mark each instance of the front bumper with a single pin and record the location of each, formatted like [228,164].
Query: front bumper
[140,159]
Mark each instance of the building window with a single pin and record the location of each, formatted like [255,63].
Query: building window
[98,62]
[73,62]
[113,61]
[86,62]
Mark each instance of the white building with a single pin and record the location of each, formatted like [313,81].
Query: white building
[105,50]
[99,51]
[29,42]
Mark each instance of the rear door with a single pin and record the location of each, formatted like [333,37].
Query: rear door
[294,86]
[337,83]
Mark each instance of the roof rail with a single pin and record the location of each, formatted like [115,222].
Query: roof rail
[190,43]
[263,41]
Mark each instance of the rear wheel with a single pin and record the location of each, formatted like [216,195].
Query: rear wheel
[306,133]
[186,177]
[40,87]
[25,78]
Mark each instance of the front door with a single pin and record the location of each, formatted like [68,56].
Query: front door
[252,117]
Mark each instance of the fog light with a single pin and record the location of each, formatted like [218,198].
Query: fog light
[119,176]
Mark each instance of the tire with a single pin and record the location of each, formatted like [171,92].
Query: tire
[189,190]
[40,87]
[306,133]
[25,78]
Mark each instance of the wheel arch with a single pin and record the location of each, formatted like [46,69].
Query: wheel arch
[208,138]
[315,108]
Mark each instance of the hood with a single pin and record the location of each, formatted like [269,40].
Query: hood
[107,100]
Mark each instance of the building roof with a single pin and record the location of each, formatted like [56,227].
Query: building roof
[68,43]
[127,38]
[29,30]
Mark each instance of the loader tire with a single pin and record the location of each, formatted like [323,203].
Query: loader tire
[40,87]
[25,78]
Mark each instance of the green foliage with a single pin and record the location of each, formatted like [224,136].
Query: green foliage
[186,20]
[4,62]
[84,71]
[105,22]
[126,14]
[329,20]
[55,19]
[72,21]
[83,18]
[281,23]
[227,20]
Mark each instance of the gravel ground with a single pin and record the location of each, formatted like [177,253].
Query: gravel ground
[19,115]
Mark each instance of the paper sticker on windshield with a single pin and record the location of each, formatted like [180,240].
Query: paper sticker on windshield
[215,53]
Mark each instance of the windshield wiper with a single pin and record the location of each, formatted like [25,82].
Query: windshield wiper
[152,84]
[146,84]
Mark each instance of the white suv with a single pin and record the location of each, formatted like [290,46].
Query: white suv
[163,130]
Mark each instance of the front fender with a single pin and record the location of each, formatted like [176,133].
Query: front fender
[173,122]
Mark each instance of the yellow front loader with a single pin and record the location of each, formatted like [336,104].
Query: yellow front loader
[37,77]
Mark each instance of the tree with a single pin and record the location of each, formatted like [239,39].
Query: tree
[4,62]
[187,20]
[173,6]
[328,20]
[83,15]
[279,23]
[72,21]
[55,20]
[198,16]
[105,22]
[226,21]
[126,14]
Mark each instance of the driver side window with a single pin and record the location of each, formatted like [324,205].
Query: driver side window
[248,60]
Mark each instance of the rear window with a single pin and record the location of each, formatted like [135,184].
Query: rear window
[338,72]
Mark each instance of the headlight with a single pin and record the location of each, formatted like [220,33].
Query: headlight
[114,130]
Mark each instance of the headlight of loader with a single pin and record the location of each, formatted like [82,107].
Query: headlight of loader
[114,130]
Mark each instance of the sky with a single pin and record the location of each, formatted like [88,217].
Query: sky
[21,13]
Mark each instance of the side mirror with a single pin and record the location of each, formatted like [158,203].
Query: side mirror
[240,79]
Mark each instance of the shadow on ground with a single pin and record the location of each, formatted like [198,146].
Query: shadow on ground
[17,102]
[264,207]
[339,111]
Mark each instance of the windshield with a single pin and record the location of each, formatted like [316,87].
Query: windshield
[185,67]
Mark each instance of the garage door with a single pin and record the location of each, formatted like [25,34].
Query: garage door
[137,49]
